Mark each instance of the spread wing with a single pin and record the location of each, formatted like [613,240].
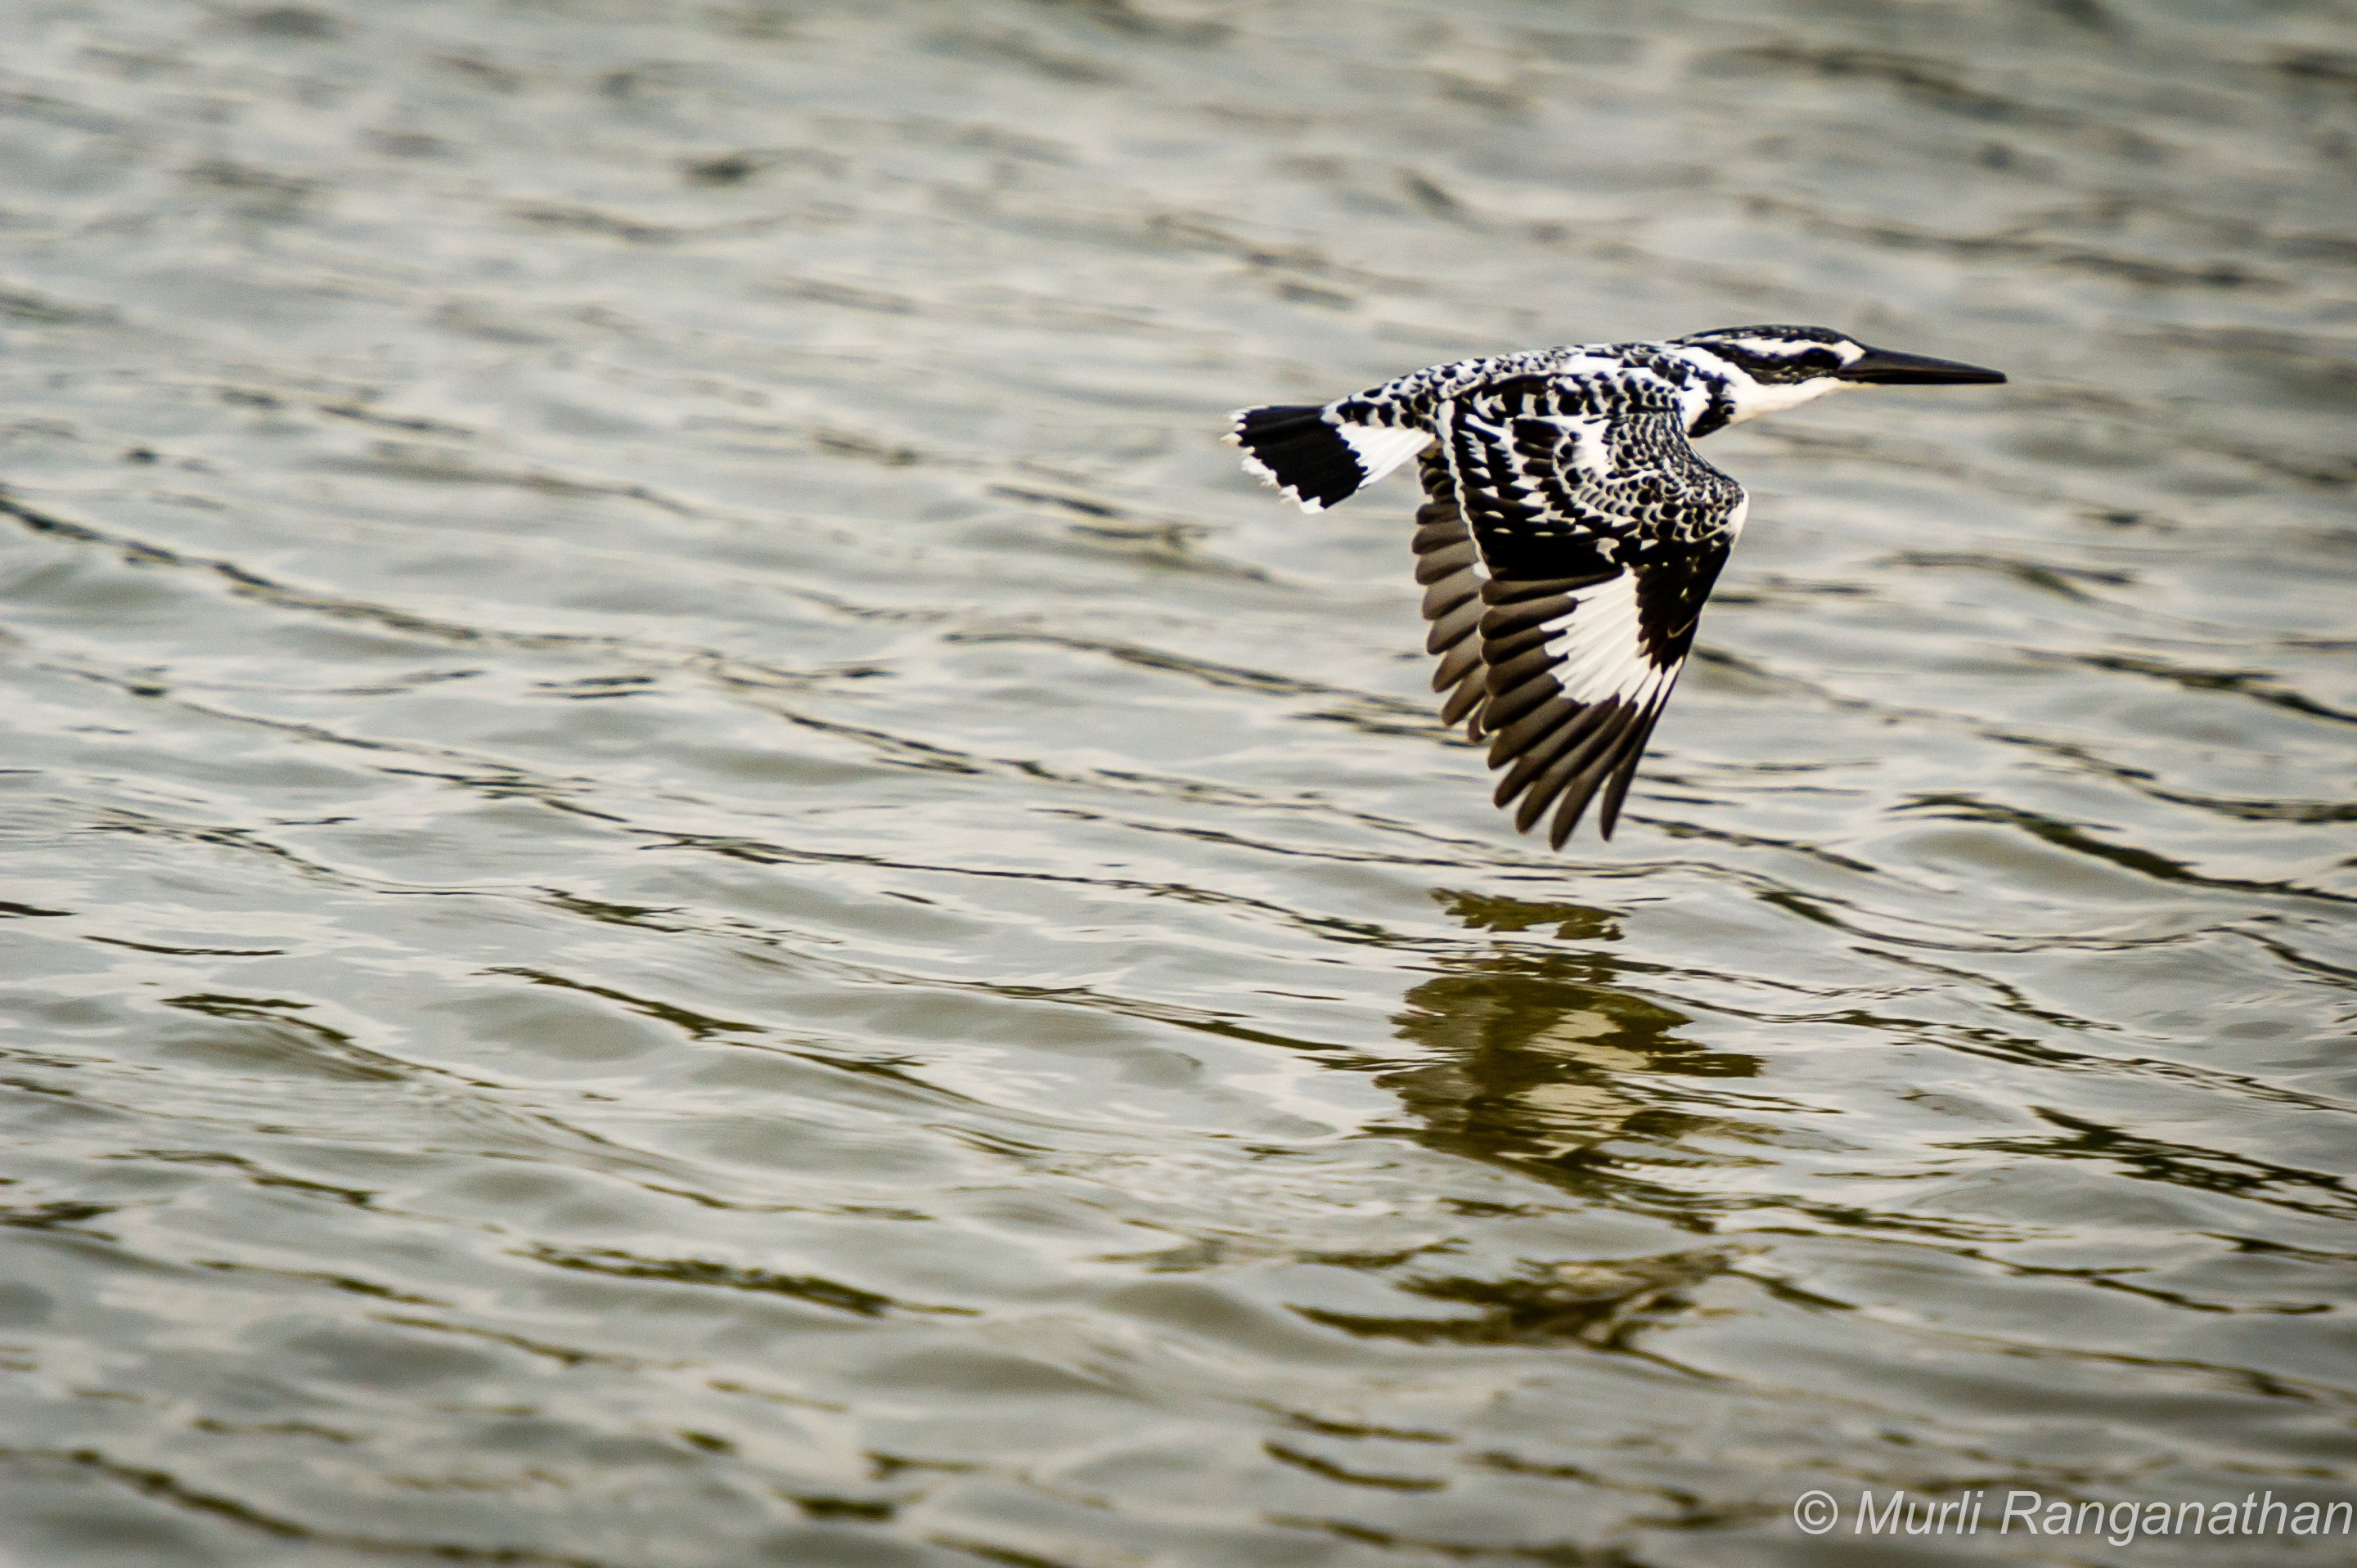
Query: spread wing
[1566,549]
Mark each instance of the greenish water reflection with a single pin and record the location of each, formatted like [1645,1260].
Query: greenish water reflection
[1547,1049]
[692,881]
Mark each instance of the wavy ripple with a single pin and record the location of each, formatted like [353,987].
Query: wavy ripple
[691,881]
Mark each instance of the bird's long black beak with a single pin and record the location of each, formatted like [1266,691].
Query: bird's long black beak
[1883,368]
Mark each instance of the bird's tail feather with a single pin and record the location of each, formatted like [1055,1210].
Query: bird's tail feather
[1316,455]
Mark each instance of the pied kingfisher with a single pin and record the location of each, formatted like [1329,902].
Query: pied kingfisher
[1570,533]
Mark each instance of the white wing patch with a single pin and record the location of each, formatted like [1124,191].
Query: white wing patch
[1603,652]
[1379,448]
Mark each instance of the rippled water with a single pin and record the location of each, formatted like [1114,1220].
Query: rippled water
[696,883]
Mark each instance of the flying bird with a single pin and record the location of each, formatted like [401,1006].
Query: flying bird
[1569,534]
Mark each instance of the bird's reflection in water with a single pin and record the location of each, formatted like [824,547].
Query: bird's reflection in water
[1541,1053]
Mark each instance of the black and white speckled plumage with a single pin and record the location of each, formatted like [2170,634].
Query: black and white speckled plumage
[1570,532]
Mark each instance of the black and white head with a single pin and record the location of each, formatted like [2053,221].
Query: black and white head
[1771,368]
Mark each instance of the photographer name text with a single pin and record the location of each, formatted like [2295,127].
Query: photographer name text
[2030,1513]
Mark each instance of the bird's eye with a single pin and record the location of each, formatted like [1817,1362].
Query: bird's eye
[1819,360]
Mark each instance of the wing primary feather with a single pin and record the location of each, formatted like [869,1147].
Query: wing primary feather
[1456,664]
[1453,624]
[1567,725]
[1573,775]
[1522,666]
[1449,594]
[1464,703]
[1500,650]
[1449,566]
[1438,523]
[1506,707]
[1445,560]
[1581,787]
[1514,619]
[1608,811]
[1520,738]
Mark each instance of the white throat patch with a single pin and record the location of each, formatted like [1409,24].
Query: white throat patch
[1753,399]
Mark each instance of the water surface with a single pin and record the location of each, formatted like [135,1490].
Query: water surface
[694,882]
